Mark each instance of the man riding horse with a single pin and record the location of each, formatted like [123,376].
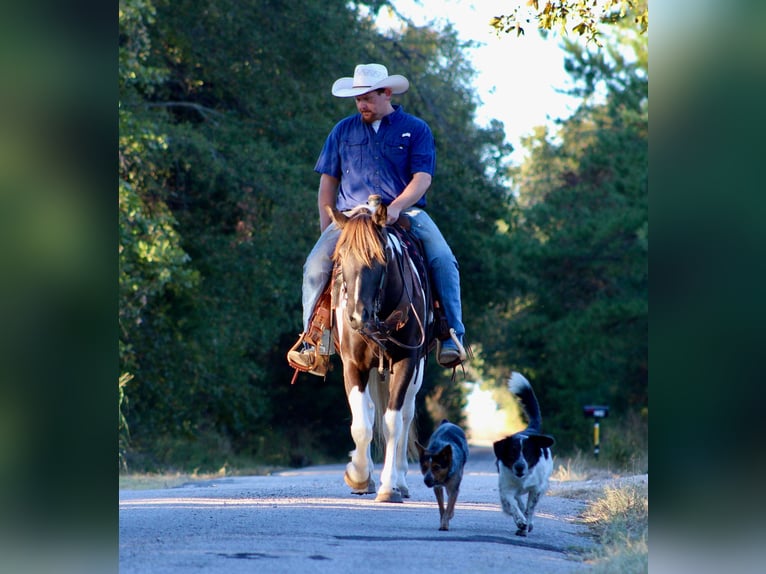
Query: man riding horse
[381,150]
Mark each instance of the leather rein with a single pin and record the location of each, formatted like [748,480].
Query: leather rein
[381,332]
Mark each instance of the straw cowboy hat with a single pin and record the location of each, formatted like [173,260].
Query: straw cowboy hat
[369,77]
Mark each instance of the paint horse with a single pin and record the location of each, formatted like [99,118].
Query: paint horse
[383,315]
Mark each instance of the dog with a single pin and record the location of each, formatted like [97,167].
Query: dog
[524,460]
[442,464]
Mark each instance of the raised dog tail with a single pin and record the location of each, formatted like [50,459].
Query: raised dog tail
[519,386]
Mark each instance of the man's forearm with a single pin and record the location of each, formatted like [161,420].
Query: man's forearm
[328,191]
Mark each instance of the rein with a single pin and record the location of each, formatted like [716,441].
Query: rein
[405,289]
[383,331]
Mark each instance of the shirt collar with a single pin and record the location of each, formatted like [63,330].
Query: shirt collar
[392,117]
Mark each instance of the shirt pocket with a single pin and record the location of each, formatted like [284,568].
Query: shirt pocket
[352,151]
[398,150]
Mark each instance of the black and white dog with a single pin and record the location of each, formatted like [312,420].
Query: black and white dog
[524,460]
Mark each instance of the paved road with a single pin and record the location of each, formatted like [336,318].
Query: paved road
[307,521]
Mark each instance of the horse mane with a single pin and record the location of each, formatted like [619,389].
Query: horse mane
[361,239]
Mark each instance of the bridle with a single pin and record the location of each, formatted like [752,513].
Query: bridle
[381,332]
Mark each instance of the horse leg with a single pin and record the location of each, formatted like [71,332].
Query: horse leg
[358,473]
[392,431]
[400,412]
[408,415]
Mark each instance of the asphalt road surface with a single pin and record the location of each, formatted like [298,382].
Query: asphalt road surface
[306,520]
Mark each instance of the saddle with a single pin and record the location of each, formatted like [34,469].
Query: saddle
[440,330]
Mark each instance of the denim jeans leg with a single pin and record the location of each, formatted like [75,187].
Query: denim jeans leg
[317,271]
[443,265]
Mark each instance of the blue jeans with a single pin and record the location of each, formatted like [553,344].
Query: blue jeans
[441,262]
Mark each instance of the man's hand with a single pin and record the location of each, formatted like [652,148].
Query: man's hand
[393,214]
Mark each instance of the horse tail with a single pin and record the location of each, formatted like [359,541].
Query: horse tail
[379,392]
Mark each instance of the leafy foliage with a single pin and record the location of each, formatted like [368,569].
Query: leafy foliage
[584,17]
[579,321]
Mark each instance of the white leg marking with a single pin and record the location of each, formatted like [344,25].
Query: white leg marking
[362,417]
[392,430]
[408,413]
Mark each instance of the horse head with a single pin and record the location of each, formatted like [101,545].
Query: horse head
[361,255]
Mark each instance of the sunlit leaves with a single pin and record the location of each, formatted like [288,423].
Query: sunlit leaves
[151,260]
[582,17]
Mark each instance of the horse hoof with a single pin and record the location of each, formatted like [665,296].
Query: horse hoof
[366,487]
[393,496]
[405,491]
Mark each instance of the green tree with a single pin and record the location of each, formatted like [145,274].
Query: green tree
[579,320]
[152,262]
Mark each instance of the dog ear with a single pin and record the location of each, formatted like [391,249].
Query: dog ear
[445,455]
[499,448]
[421,450]
[542,440]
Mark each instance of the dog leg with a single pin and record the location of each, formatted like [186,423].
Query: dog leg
[534,498]
[522,522]
[443,518]
[511,507]
[450,512]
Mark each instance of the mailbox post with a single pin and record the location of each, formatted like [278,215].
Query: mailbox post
[596,412]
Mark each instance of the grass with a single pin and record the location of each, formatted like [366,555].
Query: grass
[619,519]
[617,508]
[573,469]
[172,479]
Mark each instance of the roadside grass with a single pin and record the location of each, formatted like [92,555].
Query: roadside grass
[574,468]
[616,512]
[619,520]
[615,490]
[173,479]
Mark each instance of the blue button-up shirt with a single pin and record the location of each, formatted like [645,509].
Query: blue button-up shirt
[367,162]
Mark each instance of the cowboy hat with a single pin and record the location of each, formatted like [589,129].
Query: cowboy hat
[369,77]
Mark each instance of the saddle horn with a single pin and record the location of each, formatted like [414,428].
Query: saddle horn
[380,211]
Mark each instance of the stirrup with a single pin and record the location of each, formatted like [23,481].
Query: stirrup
[319,364]
[462,354]
[318,336]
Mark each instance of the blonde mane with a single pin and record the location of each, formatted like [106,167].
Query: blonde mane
[361,239]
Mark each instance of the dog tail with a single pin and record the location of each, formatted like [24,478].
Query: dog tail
[519,386]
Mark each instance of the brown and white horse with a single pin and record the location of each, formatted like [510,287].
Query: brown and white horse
[383,315]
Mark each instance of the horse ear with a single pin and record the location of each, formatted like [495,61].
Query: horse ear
[339,218]
[380,216]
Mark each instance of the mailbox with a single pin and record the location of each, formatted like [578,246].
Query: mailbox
[596,411]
